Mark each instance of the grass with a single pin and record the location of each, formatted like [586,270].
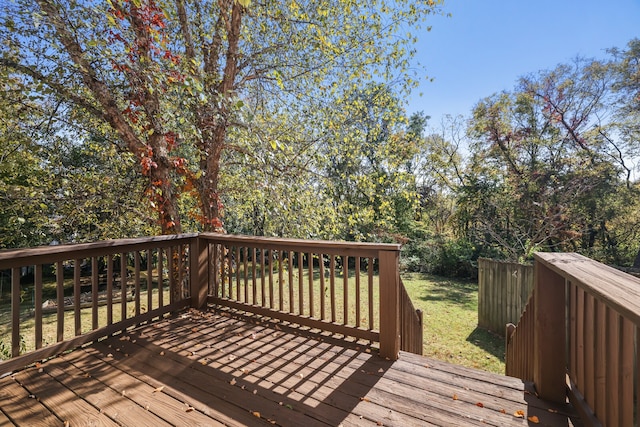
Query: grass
[302,292]
[450,310]
[49,321]
[450,331]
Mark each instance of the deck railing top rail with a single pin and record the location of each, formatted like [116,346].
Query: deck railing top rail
[617,289]
[46,254]
[337,247]
[10,258]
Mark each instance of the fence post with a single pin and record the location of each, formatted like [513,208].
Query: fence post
[198,260]
[389,304]
[549,359]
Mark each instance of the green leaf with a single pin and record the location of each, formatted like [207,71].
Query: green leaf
[244,3]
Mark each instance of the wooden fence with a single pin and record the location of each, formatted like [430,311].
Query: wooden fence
[503,291]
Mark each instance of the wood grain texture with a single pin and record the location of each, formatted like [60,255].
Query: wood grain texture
[615,288]
[223,367]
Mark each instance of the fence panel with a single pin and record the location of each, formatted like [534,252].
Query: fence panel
[503,291]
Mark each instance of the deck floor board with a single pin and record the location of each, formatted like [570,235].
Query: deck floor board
[220,367]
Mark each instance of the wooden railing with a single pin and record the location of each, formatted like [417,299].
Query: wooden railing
[93,290]
[342,287]
[585,325]
[98,289]
[410,324]
[519,347]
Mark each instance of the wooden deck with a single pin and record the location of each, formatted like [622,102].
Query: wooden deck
[224,368]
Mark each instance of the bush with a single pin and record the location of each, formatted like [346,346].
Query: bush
[451,258]
[457,258]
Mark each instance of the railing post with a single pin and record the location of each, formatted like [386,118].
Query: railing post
[549,359]
[198,259]
[389,277]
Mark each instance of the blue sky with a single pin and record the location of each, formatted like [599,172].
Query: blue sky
[487,44]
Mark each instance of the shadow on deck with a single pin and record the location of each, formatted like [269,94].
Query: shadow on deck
[221,367]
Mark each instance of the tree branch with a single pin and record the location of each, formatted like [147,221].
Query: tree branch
[101,92]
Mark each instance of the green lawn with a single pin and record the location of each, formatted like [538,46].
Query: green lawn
[450,308]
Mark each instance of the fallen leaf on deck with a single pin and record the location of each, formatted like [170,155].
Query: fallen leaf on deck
[553,411]
[162,353]
[479,405]
[189,409]
[38,364]
[256,414]
[534,419]
[110,355]
[364,399]
[124,392]
[233,381]
[159,389]
[519,414]
[455,396]
[66,424]
[502,411]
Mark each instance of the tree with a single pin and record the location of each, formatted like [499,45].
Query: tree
[627,91]
[168,75]
[370,152]
[543,163]
[23,211]
[59,182]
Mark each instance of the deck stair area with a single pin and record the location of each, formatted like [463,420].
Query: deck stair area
[235,330]
[577,338]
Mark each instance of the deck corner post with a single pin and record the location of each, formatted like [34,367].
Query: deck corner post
[549,366]
[389,304]
[198,258]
